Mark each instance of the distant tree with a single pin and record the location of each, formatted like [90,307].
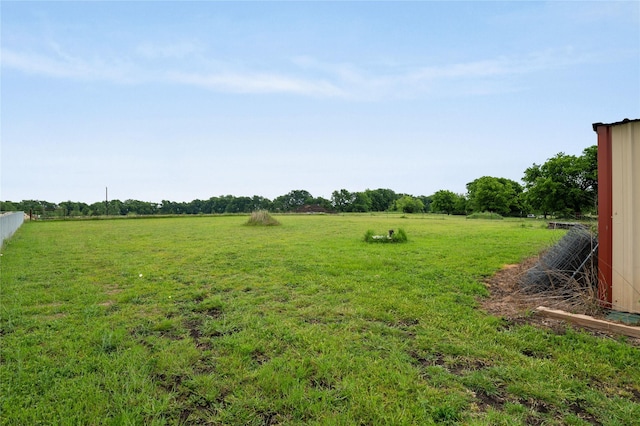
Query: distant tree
[97,209]
[259,203]
[37,207]
[66,208]
[170,207]
[219,204]
[194,207]
[409,204]
[361,203]
[588,162]
[140,207]
[29,205]
[73,208]
[497,195]
[444,201]
[460,206]
[239,205]
[565,184]
[292,200]
[277,204]
[381,199]
[426,201]
[7,206]
[117,208]
[342,200]
[322,202]
[84,209]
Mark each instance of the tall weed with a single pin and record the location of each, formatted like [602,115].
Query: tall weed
[262,218]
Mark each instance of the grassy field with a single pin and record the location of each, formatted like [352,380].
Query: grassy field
[202,320]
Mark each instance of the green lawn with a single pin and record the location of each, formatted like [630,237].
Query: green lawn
[201,320]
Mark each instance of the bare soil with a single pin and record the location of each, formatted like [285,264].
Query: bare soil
[506,300]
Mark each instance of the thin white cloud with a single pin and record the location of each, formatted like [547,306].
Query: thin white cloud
[308,76]
[481,77]
[62,65]
[486,68]
[257,83]
[66,66]
[177,50]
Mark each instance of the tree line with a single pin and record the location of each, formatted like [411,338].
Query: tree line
[564,186]
[298,200]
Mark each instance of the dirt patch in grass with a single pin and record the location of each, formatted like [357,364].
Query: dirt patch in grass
[455,365]
[506,300]
[54,317]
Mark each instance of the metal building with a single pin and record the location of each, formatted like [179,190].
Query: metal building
[619,214]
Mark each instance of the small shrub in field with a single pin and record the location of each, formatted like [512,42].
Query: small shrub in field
[391,237]
[262,218]
[400,236]
[485,215]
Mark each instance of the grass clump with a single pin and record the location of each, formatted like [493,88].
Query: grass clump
[485,215]
[262,218]
[392,237]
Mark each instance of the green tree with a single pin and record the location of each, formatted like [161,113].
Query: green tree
[345,201]
[444,201]
[361,203]
[194,206]
[322,202]
[342,200]
[116,208]
[37,207]
[259,203]
[140,207]
[588,162]
[497,195]
[292,200]
[239,205]
[427,202]
[565,184]
[381,199]
[409,204]
[97,209]
[219,204]
[460,206]
[72,208]
[7,206]
[170,207]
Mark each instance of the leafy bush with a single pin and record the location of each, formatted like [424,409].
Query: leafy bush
[392,237]
[485,215]
[262,218]
[409,204]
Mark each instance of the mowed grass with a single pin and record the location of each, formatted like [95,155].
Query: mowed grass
[202,320]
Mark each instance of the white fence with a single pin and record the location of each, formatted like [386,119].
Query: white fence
[9,223]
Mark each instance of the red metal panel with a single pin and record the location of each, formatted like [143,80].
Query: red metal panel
[605,214]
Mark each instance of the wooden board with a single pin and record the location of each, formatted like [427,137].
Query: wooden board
[590,322]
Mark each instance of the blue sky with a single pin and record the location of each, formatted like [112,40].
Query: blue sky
[187,100]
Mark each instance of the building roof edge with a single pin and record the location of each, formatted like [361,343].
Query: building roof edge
[625,121]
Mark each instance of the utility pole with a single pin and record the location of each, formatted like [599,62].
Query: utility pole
[106,200]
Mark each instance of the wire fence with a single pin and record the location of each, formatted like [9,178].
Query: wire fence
[566,269]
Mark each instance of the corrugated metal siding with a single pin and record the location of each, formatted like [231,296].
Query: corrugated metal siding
[625,228]
[604,213]
[9,223]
